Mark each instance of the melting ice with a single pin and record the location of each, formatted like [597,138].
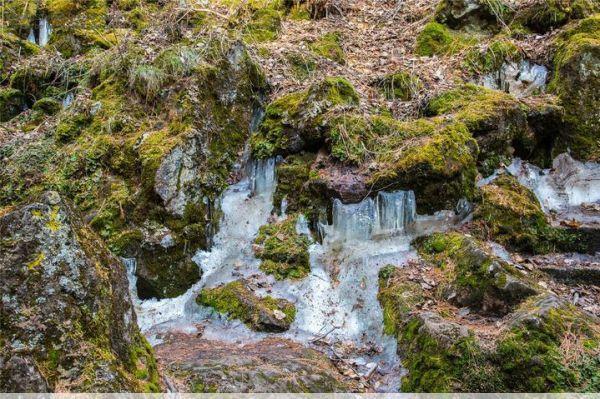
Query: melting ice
[336,303]
[520,79]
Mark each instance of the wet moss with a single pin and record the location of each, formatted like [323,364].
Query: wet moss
[284,252]
[236,301]
[397,298]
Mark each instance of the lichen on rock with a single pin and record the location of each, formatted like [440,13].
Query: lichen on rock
[67,320]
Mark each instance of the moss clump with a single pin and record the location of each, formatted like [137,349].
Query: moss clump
[512,216]
[544,15]
[12,49]
[576,81]
[499,122]
[295,122]
[147,81]
[284,252]
[237,301]
[437,161]
[18,16]
[397,298]
[71,126]
[400,85]
[532,353]
[484,15]
[11,103]
[329,46]
[264,25]
[491,58]
[444,363]
[437,39]
[480,281]
[302,65]
[48,106]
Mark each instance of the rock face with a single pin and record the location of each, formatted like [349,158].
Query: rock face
[475,278]
[273,365]
[577,83]
[67,319]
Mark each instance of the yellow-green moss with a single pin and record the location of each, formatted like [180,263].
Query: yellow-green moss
[11,103]
[284,252]
[295,121]
[491,58]
[513,216]
[329,46]
[544,15]
[237,302]
[437,39]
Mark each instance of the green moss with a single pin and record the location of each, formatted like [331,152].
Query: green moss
[492,57]
[71,126]
[329,46]
[295,121]
[301,64]
[237,302]
[513,217]
[18,16]
[477,278]
[437,39]
[544,15]
[400,85]
[264,25]
[11,103]
[284,252]
[575,81]
[48,106]
[531,354]
[397,298]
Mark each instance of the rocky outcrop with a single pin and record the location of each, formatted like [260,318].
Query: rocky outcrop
[236,300]
[474,277]
[67,320]
[577,81]
[448,350]
[197,365]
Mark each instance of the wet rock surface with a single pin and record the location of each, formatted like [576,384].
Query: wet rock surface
[67,319]
[193,364]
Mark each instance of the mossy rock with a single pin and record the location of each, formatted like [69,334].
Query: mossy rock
[264,25]
[499,122]
[400,85]
[473,15]
[329,46]
[19,16]
[491,58]
[576,81]
[437,160]
[438,39]
[477,279]
[58,266]
[236,301]
[532,354]
[512,216]
[284,252]
[542,16]
[12,50]
[48,106]
[12,103]
[296,121]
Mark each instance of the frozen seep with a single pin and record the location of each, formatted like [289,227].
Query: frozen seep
[520,79]
[44,30]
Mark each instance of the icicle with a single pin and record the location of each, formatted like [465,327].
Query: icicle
[31,37]
[262,177]
[68,100]
[45,32]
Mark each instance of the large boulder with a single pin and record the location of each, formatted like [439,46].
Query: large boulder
[577,82]
[198,365]
[67,320]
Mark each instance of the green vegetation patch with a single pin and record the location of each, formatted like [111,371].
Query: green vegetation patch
[329,46]
[284,252]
